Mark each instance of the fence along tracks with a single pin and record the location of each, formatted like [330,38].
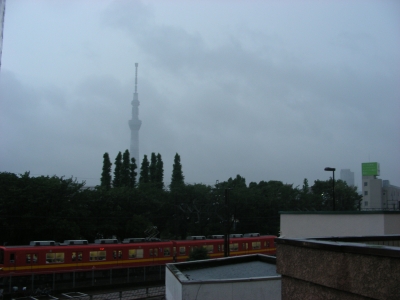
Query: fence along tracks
[155,293]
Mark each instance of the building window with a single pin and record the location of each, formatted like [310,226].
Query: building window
[365,193]
[366,203]
[365,183]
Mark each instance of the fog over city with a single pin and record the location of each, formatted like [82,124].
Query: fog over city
[270,90]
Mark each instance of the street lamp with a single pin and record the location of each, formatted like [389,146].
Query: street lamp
[333,185]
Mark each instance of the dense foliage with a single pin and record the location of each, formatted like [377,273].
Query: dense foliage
[56,208]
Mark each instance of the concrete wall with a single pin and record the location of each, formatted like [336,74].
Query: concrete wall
[173,287]
[323,224]
[323,270]
[392,224]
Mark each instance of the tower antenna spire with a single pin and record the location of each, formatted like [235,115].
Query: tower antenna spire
[136,65]
[135,123]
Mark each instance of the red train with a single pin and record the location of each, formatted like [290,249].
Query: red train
[75,255]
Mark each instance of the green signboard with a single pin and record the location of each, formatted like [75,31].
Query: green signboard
[370,169]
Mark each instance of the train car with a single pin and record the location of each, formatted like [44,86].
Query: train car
[238,245]
[77,263]
[53,257]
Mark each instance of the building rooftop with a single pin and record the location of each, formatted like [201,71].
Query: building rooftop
[245,267]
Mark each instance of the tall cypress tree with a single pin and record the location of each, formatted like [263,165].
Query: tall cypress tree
[125,170]
[159,172]
[106,173]
[153,168]
[177,174]
[133,172]
[117,170]
[144,171]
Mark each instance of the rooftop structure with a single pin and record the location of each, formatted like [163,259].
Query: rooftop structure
[340,268]
[295,224]
[244,277]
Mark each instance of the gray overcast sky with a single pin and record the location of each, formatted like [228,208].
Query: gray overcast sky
[270,90]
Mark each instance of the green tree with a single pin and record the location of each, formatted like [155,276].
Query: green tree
[346,198]
[125,170]
[177,179]
[133,172]
[199,253]
[106,173]
[38,208]
[144,172]
[117,170]
[160,172]
[153,168]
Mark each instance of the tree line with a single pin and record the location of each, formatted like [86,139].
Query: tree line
[127,205]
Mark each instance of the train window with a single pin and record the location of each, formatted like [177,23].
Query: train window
[132,253]
[60,257]
[182,250]
[167,251]
[12,258]
[34,258]
[234,247]
[119,253]
[79,256]
[220,248]
[256,245]
[245,246]
[174,250]
[54,258]
[28,258]
[210,248]
[135,253]
[97,255]
[155,252]
[73,257]
[151,252]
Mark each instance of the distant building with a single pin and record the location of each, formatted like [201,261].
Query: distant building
[230,278]
[347,176]
[378,194]
[390,195]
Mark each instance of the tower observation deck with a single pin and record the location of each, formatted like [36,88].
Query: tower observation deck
[135,123]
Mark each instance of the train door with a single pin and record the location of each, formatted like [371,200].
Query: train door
[77,257]
[245,247]
[31,260]
[117,256]
[153,253]
[12,260]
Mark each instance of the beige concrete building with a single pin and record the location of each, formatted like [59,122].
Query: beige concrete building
[338,223]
